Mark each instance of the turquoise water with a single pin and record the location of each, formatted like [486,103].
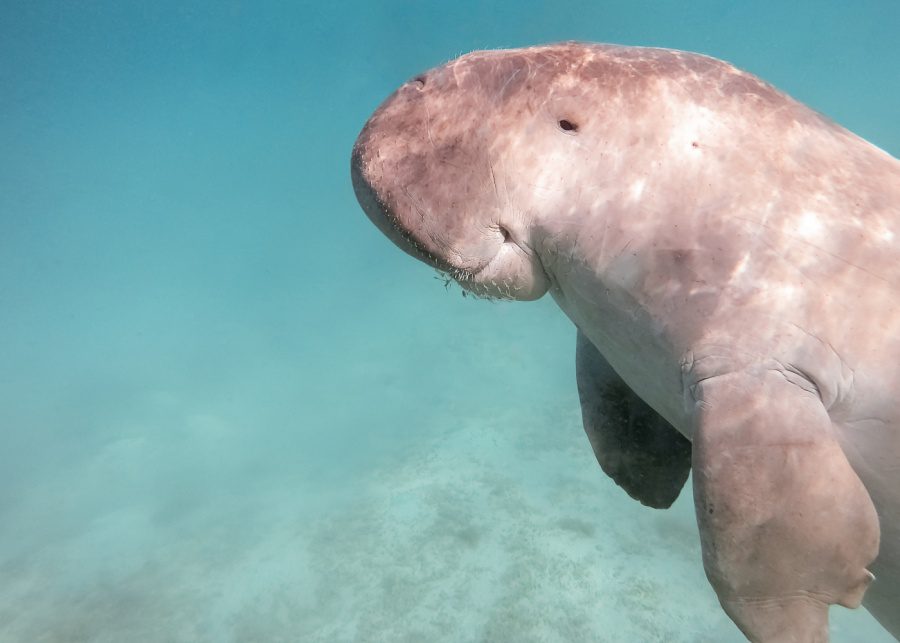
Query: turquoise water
[231,411]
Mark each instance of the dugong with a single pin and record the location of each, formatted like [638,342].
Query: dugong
[730,260]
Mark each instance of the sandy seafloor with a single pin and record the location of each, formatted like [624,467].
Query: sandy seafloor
[230,411]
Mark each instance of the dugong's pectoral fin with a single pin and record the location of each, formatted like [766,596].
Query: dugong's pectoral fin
[786,526]
[635,447]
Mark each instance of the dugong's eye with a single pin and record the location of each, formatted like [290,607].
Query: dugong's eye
[567,126]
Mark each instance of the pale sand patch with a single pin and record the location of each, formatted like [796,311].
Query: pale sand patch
[509,532]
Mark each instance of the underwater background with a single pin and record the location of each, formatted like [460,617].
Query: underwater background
[230,410]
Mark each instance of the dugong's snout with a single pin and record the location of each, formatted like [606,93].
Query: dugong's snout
[422,171]
[379,213]
[385,168]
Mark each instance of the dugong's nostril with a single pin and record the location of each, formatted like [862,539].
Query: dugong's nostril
[418,82]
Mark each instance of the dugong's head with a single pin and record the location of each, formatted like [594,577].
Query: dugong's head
[440,167]
[501,168]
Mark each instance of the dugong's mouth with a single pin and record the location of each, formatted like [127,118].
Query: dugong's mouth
[381,215]
[511,270]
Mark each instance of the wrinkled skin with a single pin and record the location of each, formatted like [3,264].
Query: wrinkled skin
[729,258]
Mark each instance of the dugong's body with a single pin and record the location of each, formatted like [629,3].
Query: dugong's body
[731,260]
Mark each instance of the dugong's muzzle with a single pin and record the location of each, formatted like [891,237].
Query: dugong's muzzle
[388,164]
[377,207]
[423,172]
[419,167]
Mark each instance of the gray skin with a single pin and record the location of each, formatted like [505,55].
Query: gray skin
[729,259]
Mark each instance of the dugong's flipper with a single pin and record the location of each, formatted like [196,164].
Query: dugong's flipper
[786,526]
[634,445]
